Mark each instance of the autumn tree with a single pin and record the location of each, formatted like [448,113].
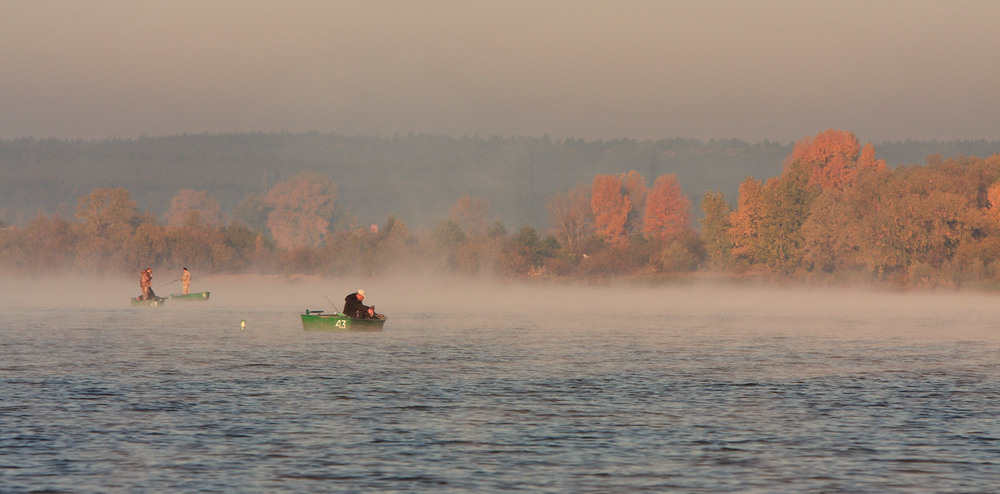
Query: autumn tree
[189,201]
[472,214]
[148,246]
[831,235]
[303,206]
[668,210]
[868,161]
[109,219]
[611,208]
[107,212]
[914,225]
[922,216]
[46,245]
[993,196]
[746,219]
[834,158]
[200,246]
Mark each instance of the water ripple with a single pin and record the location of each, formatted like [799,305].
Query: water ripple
[686,403]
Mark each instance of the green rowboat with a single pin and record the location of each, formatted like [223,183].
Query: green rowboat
[156,302]
[316,319]
[190,297]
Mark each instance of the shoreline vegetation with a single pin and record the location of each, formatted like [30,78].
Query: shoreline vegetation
[835,215]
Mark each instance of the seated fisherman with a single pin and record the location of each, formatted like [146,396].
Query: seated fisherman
[354,308]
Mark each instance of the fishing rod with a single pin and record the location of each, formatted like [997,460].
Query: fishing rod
[169,282]
[331,303]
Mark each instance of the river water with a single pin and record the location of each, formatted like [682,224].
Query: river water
[480,387]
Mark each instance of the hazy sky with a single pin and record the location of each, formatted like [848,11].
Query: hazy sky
[753,70]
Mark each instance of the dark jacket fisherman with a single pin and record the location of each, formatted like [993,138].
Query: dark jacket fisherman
[146,284]
[354,308]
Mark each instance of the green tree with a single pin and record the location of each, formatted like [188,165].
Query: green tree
[241,240]
[634,188]
[449,238]
[525,252]
[449,233]
[253,211]
[787,202]
[395,245]
[715,227]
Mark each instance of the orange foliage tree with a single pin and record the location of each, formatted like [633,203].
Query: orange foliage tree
[920,216]
[611,208]
[668,210]
[832,234]
[303,206]
[993,198]
[472,214]
[744,234]
[45,245]
[188,201]
[835,157]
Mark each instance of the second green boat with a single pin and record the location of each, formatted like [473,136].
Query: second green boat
[190,297]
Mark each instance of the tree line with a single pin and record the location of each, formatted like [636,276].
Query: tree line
[835,213]
[382,176]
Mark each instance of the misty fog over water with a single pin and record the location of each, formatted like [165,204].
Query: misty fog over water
[489,386]
[483,385]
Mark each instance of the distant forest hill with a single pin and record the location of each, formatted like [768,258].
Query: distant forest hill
[416,178]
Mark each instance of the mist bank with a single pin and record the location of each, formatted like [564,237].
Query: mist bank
[708,305]
[415,177]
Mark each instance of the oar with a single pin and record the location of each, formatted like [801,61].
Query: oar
[331,303]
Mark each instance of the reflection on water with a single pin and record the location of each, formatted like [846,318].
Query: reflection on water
[691,390]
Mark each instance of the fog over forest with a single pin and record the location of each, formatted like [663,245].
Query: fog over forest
[415,177]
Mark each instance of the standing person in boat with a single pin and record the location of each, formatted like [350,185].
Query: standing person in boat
[146,284]
[354,308]
[186,281]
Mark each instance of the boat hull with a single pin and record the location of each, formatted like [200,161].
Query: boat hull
[190,297]
[156,302]
[316,320]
